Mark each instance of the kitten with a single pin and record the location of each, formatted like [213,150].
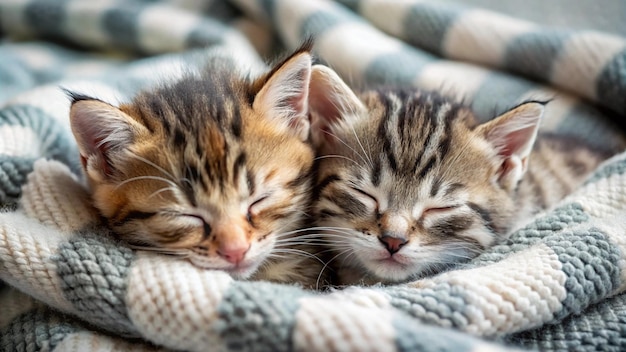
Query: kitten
[409,184]
[215,167]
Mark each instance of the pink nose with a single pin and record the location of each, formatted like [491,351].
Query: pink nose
[393,244]
[233,253]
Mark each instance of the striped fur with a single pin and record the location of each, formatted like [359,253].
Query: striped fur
[409,184]
[212,167]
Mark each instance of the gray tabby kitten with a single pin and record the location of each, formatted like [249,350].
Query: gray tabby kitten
[409,184]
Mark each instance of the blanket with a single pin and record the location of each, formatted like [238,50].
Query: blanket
[558,283]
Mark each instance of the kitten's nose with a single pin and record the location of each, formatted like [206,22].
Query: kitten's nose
[233,252]
[392,243]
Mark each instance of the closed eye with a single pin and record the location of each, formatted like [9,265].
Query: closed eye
[438,210]
[367,195]
[206,227]
[256,202]
[253,205]
[362,192]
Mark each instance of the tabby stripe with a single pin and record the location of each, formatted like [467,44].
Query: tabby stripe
[277,212]
[403,117]
[484,214]
[428,131]
[191,173]
[238,165]
[145,122]
[173,236]
[250,181]
[384,134]
[325,214]
[453,188]
[452,114]
[235,125]
[393,163]
[390,157]
[302,178]
[208,169]
[376,171]
[199,151]
[158,109]
[119,213]
[428,167]
[130,216]
[348,203]
[451,226]
[326,182]
[203,183]
[444,144]
[179,138]
[435,186]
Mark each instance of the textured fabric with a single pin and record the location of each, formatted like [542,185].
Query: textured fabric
[557,284]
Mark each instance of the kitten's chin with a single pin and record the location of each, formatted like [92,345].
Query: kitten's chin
[243,270]
[390,269]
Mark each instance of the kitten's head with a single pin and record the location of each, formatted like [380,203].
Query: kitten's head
[408,182]
[215,167]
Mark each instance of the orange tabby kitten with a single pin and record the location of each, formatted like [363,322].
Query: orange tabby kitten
[214,167]
[409,184]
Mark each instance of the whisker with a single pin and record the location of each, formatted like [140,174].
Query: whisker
[318,228]
[348,146]
[298,252]
[167,251]
[165,189]
[319,277]
[369,159]
[337,156]
[314,235]
[171,177]
[137,178]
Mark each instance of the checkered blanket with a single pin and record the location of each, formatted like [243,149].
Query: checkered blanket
[557,284]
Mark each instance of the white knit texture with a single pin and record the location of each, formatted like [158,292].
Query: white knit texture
[26,246]
[94,342]
[465,40]
[18,141]
[525,290]
[325,324]
[55,197]
[173,303]
[593,51]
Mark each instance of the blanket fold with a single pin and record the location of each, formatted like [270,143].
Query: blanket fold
[556,284]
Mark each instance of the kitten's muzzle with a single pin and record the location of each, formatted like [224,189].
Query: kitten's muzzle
[392,242]
[233,254]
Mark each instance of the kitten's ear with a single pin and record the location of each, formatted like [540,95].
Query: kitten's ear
[284,95]
[101,132]
[331,102]
[513,135]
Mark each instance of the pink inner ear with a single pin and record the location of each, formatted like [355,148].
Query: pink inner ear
[321,103]
[514,142]
[298,104]
[507,166]
[98,150]
[98,128]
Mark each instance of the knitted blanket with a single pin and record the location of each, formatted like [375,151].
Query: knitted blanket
[66,284]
